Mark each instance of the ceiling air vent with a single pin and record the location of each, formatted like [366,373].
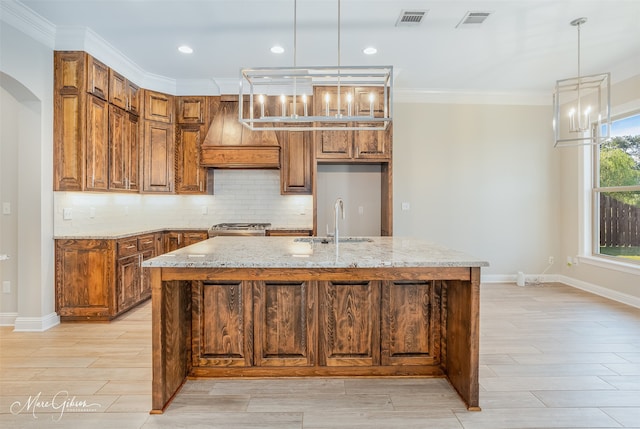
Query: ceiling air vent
[410,17]
[473,19]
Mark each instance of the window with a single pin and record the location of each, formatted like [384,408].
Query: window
[616,192]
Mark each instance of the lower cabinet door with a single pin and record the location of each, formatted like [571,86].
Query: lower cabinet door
[221,323]
[349,323]
[128,281]
[284,323]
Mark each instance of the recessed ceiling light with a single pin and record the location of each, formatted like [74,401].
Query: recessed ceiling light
[370,50]
[277,49]
[185,49]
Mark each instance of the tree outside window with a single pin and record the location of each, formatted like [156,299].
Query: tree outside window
[617,192]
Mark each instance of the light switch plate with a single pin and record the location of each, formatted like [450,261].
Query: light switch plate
[6,208]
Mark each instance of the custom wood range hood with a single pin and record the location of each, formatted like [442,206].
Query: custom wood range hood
[230,145]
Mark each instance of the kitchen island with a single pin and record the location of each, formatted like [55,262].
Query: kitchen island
[303,307]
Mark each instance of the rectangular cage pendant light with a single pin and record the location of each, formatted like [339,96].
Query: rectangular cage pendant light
[316,98]
[581,110]
[581,106]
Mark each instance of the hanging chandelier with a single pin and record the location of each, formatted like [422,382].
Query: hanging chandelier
[581,106]
[328,98]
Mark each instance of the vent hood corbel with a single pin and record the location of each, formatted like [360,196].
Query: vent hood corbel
[230,145]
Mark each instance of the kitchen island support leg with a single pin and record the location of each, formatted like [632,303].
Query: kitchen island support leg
[463,338]
[171,338]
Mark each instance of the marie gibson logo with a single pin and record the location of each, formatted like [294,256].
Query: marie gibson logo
[61,402]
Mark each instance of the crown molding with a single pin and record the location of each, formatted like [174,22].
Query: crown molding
[27,21]
[453,96]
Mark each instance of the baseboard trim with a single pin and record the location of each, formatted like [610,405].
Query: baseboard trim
[623,298]
[36,324]
[8,319]
[534,279]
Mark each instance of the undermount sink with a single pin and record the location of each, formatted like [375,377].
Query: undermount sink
[327,240]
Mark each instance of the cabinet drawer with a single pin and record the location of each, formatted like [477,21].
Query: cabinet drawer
[127,246]
[146,242]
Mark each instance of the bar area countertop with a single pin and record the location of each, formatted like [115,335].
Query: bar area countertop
[242,306]
[313,252]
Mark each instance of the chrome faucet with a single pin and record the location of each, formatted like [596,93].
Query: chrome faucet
[338,207]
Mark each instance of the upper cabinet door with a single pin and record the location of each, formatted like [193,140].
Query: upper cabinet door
[97,78]
[97,159]
[296,166]
[158,157]
[69,118]
[133,98]
[117,89]
[158,106]
[191,110]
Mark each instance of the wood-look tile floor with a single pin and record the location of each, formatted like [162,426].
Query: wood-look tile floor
[551,357]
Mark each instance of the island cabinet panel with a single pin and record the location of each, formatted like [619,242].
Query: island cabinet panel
[222,336]
[284,323]
[410,317]
[349,323]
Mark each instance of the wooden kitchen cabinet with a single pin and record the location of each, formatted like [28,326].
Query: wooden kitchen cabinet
[158,157]
[97,280]
[191,110]
[128,274]
[85,278]
[158,106]
[296,165]
[352,145]
[69,116]
[97,144]
[84,127]
[190,177]
[123,93]
[97,77]
[174,240]
[124,148]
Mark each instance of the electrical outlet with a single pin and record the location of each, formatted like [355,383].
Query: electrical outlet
[6,286]
[551,260]
[405,206]
[67,213]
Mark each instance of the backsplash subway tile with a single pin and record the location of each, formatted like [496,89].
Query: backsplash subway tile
[239,196]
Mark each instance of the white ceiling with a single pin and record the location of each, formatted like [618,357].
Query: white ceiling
[523,47]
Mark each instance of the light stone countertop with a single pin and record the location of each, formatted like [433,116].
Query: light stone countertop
[310,252]
[115,234]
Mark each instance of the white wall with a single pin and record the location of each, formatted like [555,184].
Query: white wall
[482,179]
[26,67]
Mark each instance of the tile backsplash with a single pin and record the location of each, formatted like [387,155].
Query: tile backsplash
[239,196]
